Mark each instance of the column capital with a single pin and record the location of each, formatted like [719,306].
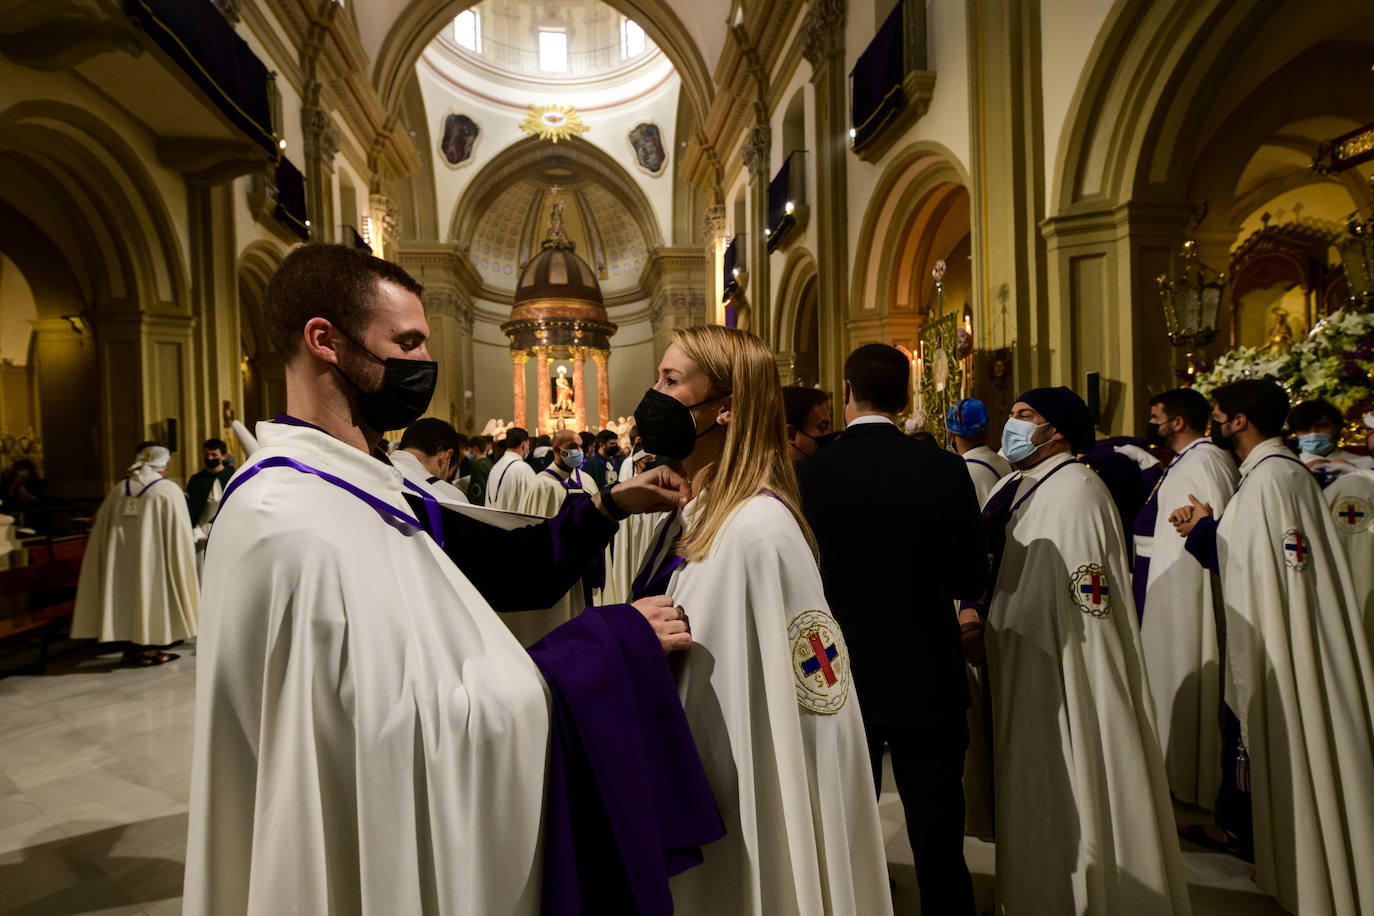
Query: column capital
[713,223]
[321,136]
[519,357]
[757,144]
[822,33]
[601,356]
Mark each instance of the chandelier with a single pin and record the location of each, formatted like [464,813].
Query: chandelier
[1357,254]
[1191,300]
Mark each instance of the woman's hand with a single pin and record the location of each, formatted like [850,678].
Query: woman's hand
[669,622]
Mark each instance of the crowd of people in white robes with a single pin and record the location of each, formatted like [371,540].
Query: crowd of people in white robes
[377,731]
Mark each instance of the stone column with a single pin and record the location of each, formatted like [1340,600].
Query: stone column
[518,359]
[603,388]
[822,36]
[385,218]
[321,146]
[758,145]
[579,355]
[541,396]
[712,231]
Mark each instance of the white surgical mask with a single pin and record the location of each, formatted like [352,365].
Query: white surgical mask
[1016,440]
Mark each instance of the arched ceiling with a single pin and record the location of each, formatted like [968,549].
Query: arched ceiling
[510,229]
[691,35]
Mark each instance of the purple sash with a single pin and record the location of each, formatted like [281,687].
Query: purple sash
[145,487]
[435,529]
[653,580]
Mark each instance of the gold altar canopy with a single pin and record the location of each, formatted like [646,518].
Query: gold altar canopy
[559,314]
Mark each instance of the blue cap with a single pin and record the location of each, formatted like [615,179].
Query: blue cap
[968,417]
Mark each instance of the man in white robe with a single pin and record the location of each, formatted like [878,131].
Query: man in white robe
[1316,424]
[1298,665]
[369,736]
[138,579]
[429,450]
[1351,498]
[511,474]
[1084,821]
[967,424]
[544,497]
[1177,599]
[633,541]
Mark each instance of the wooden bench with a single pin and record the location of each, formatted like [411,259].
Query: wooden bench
[35,601]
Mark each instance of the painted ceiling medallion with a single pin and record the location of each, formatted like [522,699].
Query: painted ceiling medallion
[553,122]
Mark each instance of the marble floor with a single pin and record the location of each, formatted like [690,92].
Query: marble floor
[94,776]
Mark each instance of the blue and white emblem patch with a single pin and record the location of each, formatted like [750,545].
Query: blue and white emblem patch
[1352,514]
[1297,553]
[820,661]
[1090,590]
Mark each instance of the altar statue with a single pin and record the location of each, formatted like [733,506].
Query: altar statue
[563,392]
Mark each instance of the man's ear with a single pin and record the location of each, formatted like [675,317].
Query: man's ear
[791,433]
[846,392]
[321,341]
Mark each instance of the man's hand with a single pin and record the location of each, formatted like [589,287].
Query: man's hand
[1185,518]
[658,490]
[971,636]
[669,622]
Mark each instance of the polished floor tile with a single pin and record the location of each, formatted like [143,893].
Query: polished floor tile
[95,764]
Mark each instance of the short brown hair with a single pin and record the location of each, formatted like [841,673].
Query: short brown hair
[798,402]
[334,282]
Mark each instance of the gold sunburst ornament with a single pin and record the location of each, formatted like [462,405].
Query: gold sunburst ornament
[553,122]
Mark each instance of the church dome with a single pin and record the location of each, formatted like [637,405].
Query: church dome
[558,303]
[556,272]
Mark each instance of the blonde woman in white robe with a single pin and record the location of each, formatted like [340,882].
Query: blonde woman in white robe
[766,686]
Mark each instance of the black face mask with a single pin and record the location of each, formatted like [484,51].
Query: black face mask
[666,425]
[1154,436]
[821,441]
[1220,439]
[212,464]
[407,387]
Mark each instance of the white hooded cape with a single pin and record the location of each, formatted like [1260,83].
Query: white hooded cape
[415,472]
[1351,498]
[1300,679]
[1084,821]
[369,736]
[632,543]
[793,784]
[507,482]
[138,578]
[986,468]
[1179,629]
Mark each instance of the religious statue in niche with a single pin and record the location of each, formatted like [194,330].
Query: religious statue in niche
[459,138]
[563,403]
[646,141]
[1281,335]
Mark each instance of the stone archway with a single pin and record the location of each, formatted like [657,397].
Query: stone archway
[919,214]
[262,377]
[797,343]
[92,235]
[1150,147]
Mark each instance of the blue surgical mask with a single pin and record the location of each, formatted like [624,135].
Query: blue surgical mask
[1317,443]
[573,458]
[1016,440]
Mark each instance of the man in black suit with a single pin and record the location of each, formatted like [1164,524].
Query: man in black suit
[900,540]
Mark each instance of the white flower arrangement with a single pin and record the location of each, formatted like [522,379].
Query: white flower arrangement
[1335,362]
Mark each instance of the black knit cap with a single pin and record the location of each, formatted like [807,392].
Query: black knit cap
[1066,412]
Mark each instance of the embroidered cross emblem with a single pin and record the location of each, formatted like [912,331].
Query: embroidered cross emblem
[1299,551]
[821,657]
[1351,514]
[1094,587]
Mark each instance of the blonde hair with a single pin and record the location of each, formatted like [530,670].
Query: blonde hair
[754,457]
